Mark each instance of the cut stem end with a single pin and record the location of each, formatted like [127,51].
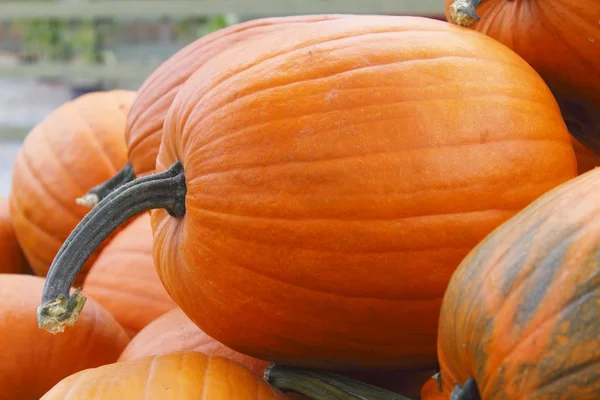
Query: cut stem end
[464,12]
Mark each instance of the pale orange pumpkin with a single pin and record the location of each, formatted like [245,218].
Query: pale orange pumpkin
[181,376]
[12,260]
[124,280]
[77,146]
[32,360]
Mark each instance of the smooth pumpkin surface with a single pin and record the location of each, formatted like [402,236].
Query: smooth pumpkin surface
[337,174]
[12,260]
[586,158]
[560,39]
[76,147]
[124,281]
[148,112]
[181,375]
[32,361]
[521,314]
[173,332]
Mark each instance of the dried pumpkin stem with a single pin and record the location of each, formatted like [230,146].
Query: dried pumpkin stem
[464,12]
[97,193]
[324,385]
[165,190]
[468,391]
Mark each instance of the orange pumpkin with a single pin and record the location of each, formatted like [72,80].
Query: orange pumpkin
[322,184]
[77,146]
[12,260]
[173,332]
[520,318]
[559,39]
[31,360]
[124,281]
[586,159]
[182,375]
[145,121]
[432,390]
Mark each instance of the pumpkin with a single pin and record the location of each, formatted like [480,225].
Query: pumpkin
[520,318]
[145,121]
[320,186]
[181,375]
[173,332]
[12,259]
[559,39]
[77,146]
[124,281]
[432,390]
[32,360]
[586,159]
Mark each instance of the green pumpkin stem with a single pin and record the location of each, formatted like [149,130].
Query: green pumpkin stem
[468,391]
[165,190]
[324,385]
[464,12]
[97,193]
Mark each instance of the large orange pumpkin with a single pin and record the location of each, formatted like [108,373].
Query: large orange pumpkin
[560,39]
[12,260]
[322,184]
[77,146]
[124,281]
[32,360]
[145,121]
[182,375]
[173,332]
[520,319]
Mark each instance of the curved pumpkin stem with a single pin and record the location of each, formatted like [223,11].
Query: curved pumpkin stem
[464,12]
[468,391]
[164,190]
[97,193]
[324,385]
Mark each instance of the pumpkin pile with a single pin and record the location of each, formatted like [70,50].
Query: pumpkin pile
[314,207]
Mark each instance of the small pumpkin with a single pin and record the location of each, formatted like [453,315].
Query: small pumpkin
[12,260]
[124,280]
[559,39]
[77,146]
[432,390]
[32,360]
[145,121]
[520,318]
[320,185]
[173,332]
[181,375]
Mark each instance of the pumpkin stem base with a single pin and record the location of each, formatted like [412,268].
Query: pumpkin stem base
[468,391]
[97,193]
[324,385]
[463,12]
[165,190]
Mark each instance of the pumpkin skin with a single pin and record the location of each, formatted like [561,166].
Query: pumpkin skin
[123,278]
[431,391]
[76,147]
[586,159]
[12,260]
[173,332]
[560,39]
[31,360]
[145,121]
[181,375]
[331,206]
[521,315]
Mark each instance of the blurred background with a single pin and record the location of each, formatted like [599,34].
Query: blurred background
[55,50]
